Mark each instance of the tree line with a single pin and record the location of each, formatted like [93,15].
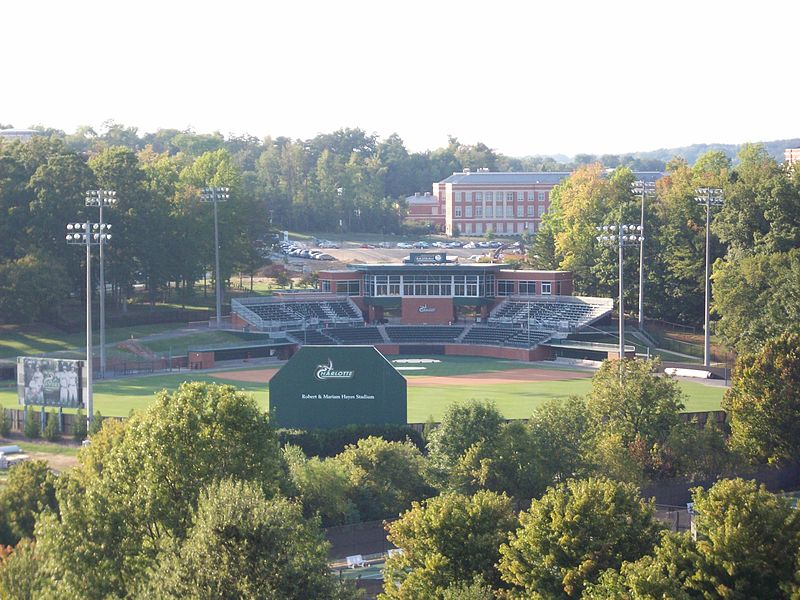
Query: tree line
[755,238]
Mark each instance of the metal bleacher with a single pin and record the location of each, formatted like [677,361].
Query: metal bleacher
[283,313]
[551,313]
[356,335]
[428,334]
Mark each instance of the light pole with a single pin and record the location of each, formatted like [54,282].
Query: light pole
[710,197]
[216,195]
[621,236]
[642,188]
[101,198]
[88,234]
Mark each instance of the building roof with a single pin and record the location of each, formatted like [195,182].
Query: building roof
[426,198]
[528,178]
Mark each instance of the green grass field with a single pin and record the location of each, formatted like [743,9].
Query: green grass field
[515,400]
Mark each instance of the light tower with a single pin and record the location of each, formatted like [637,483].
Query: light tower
[216,195]
[621,236]
[88,234]
[708,197]
[101,198]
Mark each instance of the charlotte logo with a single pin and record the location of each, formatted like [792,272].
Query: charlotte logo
[325,372]
[426,309]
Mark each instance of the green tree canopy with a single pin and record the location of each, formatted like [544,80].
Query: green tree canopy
[763,402]
[121,507]
[244,545]
[573,533]
[448,540]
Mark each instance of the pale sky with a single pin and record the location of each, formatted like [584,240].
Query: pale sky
[522,77]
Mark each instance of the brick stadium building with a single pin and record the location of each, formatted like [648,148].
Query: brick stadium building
[431,304]
[473,203]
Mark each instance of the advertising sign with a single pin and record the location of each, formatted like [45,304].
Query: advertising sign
[50,382]
[323,387]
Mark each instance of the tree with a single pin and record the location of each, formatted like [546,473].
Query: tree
[385,477]
[509,463]
[747,547]
[448,540]
[763,402]
[20,574]
[644,404]
[30,287]
[243,545]
[463,425]
[137,491]
[323,486]
[29,489]
[561,431]
[573,533]
[756,298]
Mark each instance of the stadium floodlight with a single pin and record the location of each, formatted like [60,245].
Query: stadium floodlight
[709,197]
[81,234]
[215,195]
[643,189]
[100,199]
[621,238]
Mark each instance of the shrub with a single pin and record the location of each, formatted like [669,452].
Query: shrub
[96,424]
[32,428]
[79,428]
[51,430]
[330,442]
[5,422]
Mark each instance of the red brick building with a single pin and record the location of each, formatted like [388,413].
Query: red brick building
[474,203]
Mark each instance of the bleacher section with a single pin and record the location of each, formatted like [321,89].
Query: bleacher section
[424,334]
[548,314]
[505,335]
[312,337]
[356,335]
[284,313]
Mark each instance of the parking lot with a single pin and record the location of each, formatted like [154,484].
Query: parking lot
[358,252]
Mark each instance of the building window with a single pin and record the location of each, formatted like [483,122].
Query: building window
[348,288]
[546,288]
[527,288]
[541,196]
[458,211]
[479,196]
[488,211]
[469,212]
[539,210]
[488,196]
[519,210]
[505,288]
[509,196]
[530,210]
[326,285]
[478,211]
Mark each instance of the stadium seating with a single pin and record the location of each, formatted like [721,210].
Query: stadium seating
[550,315]
[411,334]
[286,313]
[312,337]
[355,335]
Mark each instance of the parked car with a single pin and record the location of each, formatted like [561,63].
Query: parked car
[404,245]
[469,246]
